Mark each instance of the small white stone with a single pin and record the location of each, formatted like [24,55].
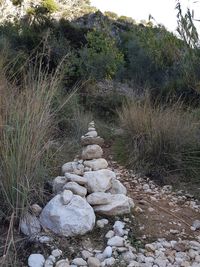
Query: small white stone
[109,262]
[101,223]
[66,196]
[116,241]
[79,262]
[110,234]
[36,260]
[107,253]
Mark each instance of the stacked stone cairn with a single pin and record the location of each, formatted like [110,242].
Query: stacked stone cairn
[86,187]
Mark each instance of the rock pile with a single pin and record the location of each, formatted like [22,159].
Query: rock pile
[86,187]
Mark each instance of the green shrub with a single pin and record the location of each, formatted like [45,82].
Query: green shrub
[161,139]
[100,58]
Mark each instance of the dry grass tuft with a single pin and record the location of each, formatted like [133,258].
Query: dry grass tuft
[161,138]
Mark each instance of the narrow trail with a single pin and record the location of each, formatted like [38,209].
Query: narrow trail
[160,212]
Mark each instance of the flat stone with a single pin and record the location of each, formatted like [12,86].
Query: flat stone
[92,133]
[79,262]
[92,152]
[120,204]
[73,167]
[96,164]
[99,198]
[76,189]
[88,140]
[116,241]
[75,178]
[86,254]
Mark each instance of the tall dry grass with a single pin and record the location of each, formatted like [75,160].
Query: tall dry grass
[26,127]
[161,138]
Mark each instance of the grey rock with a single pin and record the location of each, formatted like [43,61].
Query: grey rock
[29,225]
[76,189]
[96,164]
[75,178]
[66,196]
[93,262]
[99,198]
[92,152]
[120,204]
[116,241]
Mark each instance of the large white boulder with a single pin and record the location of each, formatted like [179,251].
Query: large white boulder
[73,167]
[99,181]
[92,152]
[75,178]
[99,198]
[96,164]
[120,204]
[76,189]
[75,218]
[117,187]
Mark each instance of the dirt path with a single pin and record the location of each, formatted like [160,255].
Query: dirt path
[160,212]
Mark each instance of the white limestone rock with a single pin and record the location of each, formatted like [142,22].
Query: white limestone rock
[79,262]
[36,260]
[73,167]
[99,181]
[66,196]
[99,198]
[29,225]
[101,223]
[117,187]
[116,241]
[107,253]
[76,218]
[76,189]
[92,152]
[96,164]
[75,178]
[120,204]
